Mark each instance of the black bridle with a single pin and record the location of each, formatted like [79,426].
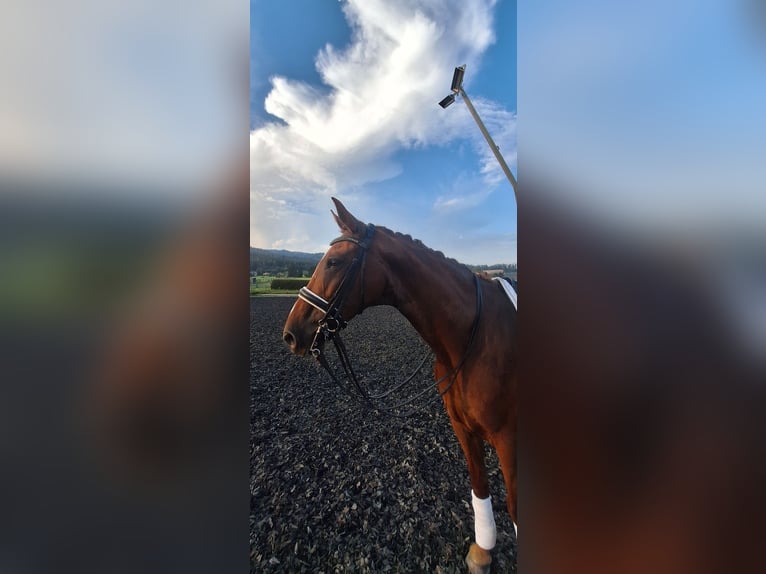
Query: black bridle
[332,322]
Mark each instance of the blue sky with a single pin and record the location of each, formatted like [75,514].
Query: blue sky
[648,114]
[344,103]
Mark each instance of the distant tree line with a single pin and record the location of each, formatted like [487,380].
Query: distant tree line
[508,268]
[280,263]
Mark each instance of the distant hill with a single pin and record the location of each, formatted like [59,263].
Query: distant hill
[283,262]
[299,264]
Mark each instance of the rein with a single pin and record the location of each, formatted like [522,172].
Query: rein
[332,323]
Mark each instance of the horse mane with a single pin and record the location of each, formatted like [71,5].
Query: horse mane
[420,245]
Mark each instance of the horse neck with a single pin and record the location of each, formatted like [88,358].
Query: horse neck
[436,295]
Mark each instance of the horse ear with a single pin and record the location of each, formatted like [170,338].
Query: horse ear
[346,222]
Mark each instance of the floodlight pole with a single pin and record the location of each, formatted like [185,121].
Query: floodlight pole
[457,88]
[490,141]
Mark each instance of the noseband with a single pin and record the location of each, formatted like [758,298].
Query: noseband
[332,321]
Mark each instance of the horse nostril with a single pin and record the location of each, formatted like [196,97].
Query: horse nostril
[289,339]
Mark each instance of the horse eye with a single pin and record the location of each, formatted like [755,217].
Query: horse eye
[333,262]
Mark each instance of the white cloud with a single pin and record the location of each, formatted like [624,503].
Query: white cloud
[378,92]
[465,192]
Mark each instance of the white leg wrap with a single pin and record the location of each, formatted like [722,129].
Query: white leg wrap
[486,534]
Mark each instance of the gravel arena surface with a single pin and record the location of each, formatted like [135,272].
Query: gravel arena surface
[336,487]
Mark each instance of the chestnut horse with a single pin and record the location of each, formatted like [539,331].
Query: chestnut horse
[450,307]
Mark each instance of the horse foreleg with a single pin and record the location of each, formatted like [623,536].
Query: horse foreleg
[479,557]
[505,446]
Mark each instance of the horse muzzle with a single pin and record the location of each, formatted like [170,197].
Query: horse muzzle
[291,341]
[301,342]
[297,344]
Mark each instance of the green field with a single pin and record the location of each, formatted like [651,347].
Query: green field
[262,286]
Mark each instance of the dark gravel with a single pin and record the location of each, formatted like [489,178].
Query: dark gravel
[338,488]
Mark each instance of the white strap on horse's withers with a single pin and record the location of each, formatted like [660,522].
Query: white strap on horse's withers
[509,291]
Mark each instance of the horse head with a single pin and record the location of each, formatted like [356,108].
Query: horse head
[348,279]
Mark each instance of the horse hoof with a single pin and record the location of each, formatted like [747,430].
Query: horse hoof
[478,560]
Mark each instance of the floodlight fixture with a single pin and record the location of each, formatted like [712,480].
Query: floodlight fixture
[457,89]
[457,79]
[448,101]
